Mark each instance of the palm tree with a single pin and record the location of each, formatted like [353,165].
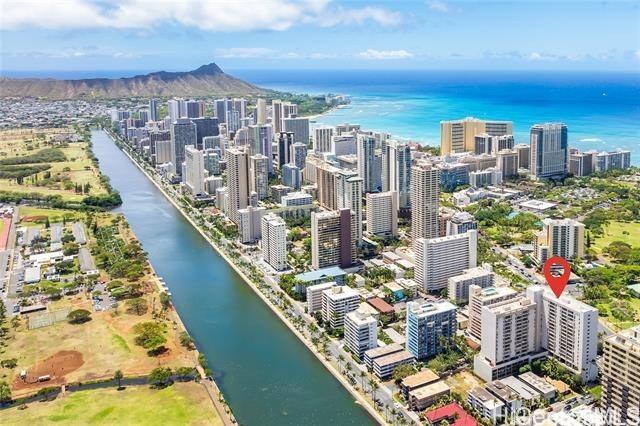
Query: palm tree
[362,376]
[349,367]
[118,376]
[374,386]
[340,360]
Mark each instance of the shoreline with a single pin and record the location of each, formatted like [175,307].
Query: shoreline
[360,400]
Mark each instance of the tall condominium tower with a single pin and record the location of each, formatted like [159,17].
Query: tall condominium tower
[427,325]
[284,141]
[549,151]
[349,196]
[194,109]
[438,259]
[322,139]
[396,171]
[183,133]
[259,175]
[237,182]
[459,135]
[507,162]
[299,126]
[274,241]
[221,107]
[333,238]
[261,141]
[360,332]
[276,115]
[205,126]
[366,153]
[559,237]
[261,111]
[569,331]
[298,154]
[176,109]
[153,109]
[425,192]
[620,372]
[194,167]
[382,214]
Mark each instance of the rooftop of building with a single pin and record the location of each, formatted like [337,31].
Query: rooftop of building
[361,317]
[430,308]
[502,390]
[380,305]
[341,292]
[537,382]
[400,356]
[514,305]
[499,291]
[422,378]
[566,300]
[525,391]
[629,338]
[383,350]
[537,205]
[430,389]
[453,413]
[478,271]
[321,274]
[487,399]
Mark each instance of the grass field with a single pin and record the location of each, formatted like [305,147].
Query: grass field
[77,169]
[180,404]
[54,215]
[106,344]
[618,231]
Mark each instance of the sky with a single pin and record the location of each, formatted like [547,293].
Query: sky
[179,35]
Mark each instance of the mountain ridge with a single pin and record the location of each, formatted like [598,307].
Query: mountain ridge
[206,80]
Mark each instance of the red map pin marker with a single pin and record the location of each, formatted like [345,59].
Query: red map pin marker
[557,282]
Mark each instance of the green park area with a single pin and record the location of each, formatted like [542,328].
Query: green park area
[49,162]
[179,404]
[627,232]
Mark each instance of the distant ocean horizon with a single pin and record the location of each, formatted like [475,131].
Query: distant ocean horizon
[600,109]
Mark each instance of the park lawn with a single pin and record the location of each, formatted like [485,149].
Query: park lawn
[628,232]
[623,325]
[78,168]
[179,404]
[107,343]
[54,215]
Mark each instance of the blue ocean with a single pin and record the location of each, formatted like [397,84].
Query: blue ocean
[601,110]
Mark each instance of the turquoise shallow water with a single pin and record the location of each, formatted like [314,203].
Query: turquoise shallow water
[601,110]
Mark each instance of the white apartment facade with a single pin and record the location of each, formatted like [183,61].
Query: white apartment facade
[438,259]
[337,302]
[360,332]
[274,241]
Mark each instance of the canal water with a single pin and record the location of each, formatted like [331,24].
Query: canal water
[266,374]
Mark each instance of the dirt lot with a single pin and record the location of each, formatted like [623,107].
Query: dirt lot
[57,366]
[104,344]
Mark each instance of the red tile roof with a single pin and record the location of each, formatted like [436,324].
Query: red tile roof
[380,305]
[453,413]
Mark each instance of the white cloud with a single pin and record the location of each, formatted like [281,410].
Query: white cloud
[439,6]
[537,56]
[636,54]
[385,54]
[344,16]
[244,52]
[221,15]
